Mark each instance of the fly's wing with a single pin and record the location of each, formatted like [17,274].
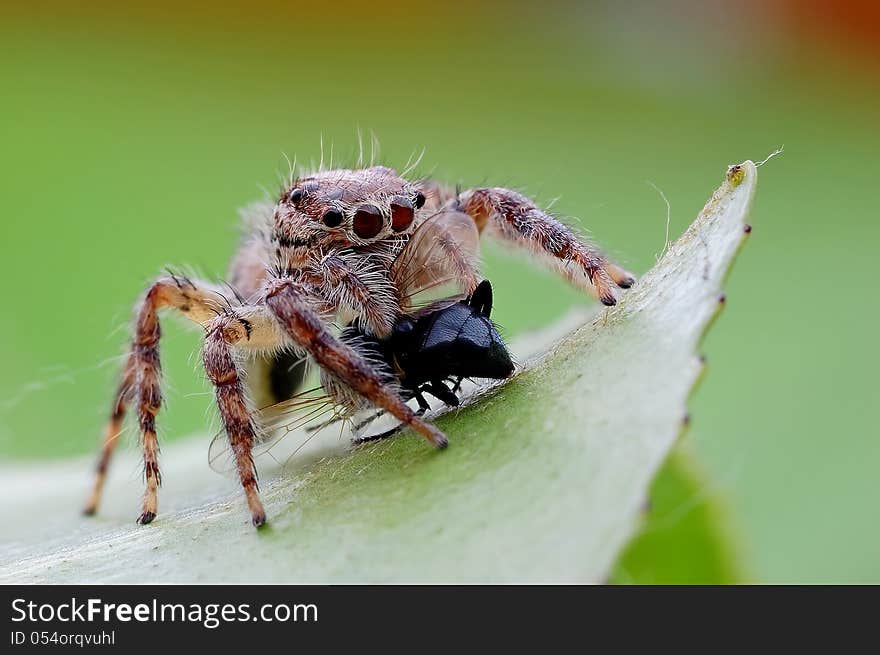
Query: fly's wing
[300,418]
[438,261]
[428,307]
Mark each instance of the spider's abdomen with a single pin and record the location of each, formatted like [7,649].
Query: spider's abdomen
[286,373]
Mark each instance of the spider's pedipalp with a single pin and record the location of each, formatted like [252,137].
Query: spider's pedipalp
[357,284]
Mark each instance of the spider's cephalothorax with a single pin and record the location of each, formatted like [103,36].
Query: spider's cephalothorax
[342,209]
[344,246]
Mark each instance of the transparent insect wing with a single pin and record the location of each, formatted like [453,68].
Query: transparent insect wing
[434,306]
[422,270]
[301,417]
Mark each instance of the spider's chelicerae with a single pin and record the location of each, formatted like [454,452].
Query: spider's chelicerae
[338,246]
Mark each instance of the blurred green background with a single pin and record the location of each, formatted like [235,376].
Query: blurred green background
[131,135]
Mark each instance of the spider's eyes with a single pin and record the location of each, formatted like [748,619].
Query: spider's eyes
[367,221]
[295,196]
[401,214]
[332,218]
[420,200]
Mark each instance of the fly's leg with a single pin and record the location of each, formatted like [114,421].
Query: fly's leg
[423,403]
[360,425]
[441,392]
[423,407]
[382,435]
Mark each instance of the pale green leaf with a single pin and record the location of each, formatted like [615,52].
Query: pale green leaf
[544,479]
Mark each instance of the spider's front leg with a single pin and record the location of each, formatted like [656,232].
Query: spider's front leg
[251,328]
[140,380]
[518,219]
[288,301]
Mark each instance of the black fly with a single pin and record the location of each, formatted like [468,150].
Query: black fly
[436,348]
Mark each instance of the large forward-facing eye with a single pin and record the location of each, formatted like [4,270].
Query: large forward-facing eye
[332,218]
[401,214]
[295,196]
[367,221]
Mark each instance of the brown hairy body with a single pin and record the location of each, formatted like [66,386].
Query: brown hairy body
[338,246]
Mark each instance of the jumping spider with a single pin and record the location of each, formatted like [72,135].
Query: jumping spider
[352,246]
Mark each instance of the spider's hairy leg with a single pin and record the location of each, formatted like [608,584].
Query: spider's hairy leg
[622,277]
[518,219]
[112,433]
[245,327]
[140,379]
[287,300]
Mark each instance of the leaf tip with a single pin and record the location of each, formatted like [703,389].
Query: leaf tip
[736,173]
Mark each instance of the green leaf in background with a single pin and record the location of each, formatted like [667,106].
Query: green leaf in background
[686,537]
[544,480]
